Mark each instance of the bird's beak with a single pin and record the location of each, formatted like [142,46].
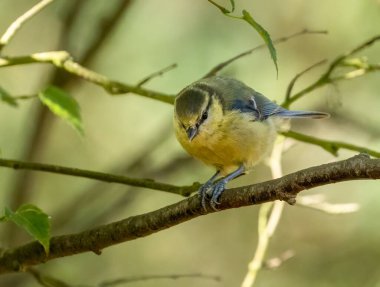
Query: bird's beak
[192,132]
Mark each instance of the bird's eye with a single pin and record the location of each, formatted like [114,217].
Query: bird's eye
[204,115]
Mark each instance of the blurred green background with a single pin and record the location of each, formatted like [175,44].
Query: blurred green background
[128,130]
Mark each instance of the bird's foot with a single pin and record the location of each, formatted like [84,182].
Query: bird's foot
[217,191]
[211,191]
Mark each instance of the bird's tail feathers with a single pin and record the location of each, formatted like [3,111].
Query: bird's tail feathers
[302,114]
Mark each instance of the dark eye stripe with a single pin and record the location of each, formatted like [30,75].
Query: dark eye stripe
[201,118]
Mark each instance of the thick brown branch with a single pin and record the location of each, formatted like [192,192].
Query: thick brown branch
[285,188]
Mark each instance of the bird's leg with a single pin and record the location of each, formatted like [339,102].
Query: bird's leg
[205,187]
[220,186]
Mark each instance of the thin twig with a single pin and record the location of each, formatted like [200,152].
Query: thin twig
[156,74]
[49,281]
[293,81]
[343,57]
[318,202]
[330,146]
[96,239]
[138,182]
[326,78]
[45,280]
[133,279]
[17,24]
[222,65]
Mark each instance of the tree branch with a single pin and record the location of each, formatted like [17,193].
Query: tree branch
[63,60]
[138,182]
[156,74]
[330,146]
[360,69]
[132,279]
[293,81]
[17,24]
[96,239]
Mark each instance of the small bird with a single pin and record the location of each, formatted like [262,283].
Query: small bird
[228,125]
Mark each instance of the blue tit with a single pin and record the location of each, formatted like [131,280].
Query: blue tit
[230,126]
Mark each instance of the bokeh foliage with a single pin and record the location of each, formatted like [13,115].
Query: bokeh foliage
[127,131]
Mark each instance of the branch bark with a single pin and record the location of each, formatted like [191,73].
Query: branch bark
[285,188]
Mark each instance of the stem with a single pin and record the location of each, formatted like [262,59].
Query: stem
[155,277]
[293,81]
[17,24]
[63,60]
[326,78]
[138,182]
[156,74]
[330,146]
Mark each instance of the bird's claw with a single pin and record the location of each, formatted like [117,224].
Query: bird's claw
[203,193]
[217,191]
[212,191]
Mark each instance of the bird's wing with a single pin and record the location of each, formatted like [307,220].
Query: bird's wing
[235,95]
[238,96]
[263,108]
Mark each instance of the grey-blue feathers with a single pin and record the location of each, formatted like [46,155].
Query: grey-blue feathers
[234,95]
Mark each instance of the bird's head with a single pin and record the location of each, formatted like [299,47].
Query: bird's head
[197,109]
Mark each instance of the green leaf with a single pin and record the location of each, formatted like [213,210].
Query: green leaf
[62,105]
[6,98]
[249,19]
[33,220]
[264,34]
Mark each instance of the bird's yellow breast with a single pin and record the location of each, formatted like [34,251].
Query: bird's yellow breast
[234,140]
